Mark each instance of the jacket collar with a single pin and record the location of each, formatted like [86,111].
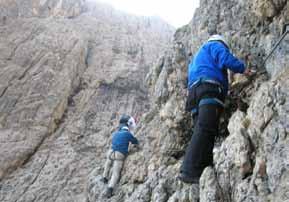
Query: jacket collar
[124,128]
[226,46]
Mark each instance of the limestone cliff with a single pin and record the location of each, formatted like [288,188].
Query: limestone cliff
[65,79]
[68,69]
[41,8]
[251,164]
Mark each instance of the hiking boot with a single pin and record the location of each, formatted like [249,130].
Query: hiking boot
[188,179]
[108,192]
[104,180]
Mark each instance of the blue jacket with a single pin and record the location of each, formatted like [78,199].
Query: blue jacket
[121,140]
[211,62]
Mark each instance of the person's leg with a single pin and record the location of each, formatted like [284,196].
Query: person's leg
[116,170]
[107,166]
[199,153]
[118,160]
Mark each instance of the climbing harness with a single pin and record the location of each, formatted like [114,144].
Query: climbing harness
[208,100]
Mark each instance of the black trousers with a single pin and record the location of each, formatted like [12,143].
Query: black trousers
[199,153]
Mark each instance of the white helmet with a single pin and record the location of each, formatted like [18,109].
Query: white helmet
[217,37]
[131,123]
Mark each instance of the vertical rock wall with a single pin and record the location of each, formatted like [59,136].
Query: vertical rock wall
[66,75]
[241,165]
[41,8]
[64,83]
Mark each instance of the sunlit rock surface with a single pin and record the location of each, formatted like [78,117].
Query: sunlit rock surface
[65,81]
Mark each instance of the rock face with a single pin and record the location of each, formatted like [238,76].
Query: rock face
[241,165]
[250,164]
[41,8]
[64,82]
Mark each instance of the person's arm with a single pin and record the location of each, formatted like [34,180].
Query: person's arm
[227,60]
[133,140]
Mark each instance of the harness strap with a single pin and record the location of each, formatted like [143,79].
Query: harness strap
[216,101]
[114,157]
[212,100]
[208,101]
[205,80]
[194,110]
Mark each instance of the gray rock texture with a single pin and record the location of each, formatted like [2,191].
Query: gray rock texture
[252,163]
[66,78]
[63,84]
[41,8]
[240,172]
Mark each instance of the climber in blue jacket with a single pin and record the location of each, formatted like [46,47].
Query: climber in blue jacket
[118,152]
[208,87]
